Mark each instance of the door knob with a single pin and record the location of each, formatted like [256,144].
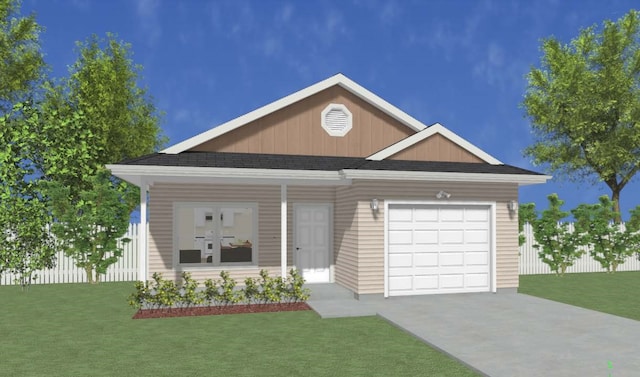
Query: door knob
[297,248]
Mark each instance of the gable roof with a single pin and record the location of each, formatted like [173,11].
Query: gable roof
[429,131]
[216,165]
[338,79]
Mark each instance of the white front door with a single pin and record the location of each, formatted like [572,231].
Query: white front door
[312,242]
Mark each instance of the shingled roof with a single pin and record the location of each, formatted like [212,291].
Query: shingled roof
[321,163]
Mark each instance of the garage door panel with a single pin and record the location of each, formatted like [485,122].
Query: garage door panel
[438,249]
[452,259]
[478,258]
[400,237]
[451,281]
[476,236]
[451,236]
[426,282]
[451,214]
[476,215]
[401,283]
[477,280]
[401,260]
[425,215]
[425,237]
[428,259]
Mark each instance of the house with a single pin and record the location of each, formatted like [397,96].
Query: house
[343,185]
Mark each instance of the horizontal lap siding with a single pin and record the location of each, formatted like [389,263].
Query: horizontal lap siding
[346,238]
[371,228]
[161,199]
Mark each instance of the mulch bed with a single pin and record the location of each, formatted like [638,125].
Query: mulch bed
[218,310]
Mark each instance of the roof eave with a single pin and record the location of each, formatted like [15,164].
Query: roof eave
[520,179]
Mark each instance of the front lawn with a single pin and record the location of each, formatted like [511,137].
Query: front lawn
[617,293]
[83,330]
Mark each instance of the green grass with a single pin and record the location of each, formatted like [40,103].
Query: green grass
[617,293]
[82,330]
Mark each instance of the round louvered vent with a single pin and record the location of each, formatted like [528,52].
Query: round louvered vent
[336,119]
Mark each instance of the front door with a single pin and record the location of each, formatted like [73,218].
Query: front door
[312,242]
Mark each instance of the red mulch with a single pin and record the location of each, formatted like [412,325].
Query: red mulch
[218,310]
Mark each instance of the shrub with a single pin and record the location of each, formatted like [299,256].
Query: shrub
[251,293]
[189,294]
[295,291]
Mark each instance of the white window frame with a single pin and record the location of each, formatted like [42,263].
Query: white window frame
[217,206]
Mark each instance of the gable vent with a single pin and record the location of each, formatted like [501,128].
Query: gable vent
[336,119]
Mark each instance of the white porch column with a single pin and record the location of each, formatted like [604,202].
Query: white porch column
[283,229]
[142,233]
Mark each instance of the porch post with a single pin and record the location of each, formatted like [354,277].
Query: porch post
[283,230]
[142,233]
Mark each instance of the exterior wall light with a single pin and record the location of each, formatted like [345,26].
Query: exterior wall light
[512,206]
[443,195]
[374,205]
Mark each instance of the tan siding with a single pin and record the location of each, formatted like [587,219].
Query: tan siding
[162,197]
[371,229]
[297,130]
[345,238]
[436,148]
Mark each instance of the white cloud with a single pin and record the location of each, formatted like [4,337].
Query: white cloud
[285,13]
[147,11]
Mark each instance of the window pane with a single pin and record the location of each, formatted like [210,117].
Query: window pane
[236,243]
[196,230]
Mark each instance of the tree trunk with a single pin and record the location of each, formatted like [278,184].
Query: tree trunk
[89,271]
[615,198]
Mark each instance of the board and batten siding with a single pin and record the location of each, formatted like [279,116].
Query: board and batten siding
[370,226]
[297,130]
[436,148]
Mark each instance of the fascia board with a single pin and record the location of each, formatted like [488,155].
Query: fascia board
[229,173]
[338,79]
[429,131]
[520,179]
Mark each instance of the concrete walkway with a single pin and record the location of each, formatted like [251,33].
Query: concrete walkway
[505,334]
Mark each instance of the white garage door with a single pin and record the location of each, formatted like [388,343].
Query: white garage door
[438,249]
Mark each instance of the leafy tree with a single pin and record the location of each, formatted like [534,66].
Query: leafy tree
[609,243]
[98,115]
[584,105]
[88,229]
[526,214]
[21,61]
[25,243]
[558,245]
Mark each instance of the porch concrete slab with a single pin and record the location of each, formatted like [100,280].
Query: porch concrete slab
[507,334]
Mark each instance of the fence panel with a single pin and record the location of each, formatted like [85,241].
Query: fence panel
[531,264]
[65,270]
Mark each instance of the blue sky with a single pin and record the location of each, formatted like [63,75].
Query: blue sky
[459,63]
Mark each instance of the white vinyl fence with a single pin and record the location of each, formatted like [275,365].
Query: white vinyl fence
[126,269]
[65,270]
[530,263]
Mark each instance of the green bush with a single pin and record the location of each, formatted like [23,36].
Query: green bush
[160,293]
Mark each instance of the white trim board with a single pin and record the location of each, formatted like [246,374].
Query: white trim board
[436,128]
[338,79]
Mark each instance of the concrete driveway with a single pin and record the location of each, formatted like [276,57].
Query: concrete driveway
[508,334]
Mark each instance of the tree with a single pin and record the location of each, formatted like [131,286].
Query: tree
[25,243]
[584,105]
[21,61]
[558,245]
[98,115]
[88,229]
[608,242]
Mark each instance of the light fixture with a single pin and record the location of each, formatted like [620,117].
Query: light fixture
[512,206]
[374,204]
[443,195]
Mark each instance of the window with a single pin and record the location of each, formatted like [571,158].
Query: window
[336,119]
[214,234]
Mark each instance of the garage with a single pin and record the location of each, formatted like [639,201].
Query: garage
[438,248]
